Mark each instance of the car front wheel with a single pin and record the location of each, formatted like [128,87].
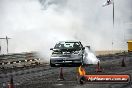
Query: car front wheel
[52,65]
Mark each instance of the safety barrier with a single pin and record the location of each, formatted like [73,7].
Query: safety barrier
[19,63]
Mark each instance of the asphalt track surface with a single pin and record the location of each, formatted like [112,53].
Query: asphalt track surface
[44,76]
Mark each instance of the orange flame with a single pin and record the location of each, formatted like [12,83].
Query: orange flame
[81,71]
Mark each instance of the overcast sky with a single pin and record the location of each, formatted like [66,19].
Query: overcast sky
[39,24]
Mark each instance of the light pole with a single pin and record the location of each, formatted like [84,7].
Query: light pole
[106,4]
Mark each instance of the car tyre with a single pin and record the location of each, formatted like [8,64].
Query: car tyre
[52,65]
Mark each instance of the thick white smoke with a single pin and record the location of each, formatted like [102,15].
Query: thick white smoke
[89,57]
[36,25]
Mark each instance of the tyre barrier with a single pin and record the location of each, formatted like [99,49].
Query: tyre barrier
[19,63]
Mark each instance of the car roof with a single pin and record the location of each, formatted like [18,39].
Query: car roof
[68,41]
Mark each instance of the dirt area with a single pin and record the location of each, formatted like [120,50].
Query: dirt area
[46,76]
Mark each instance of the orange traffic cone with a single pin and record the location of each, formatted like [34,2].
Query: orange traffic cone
[61,77]
[98,69]
[11,85]
[123,63]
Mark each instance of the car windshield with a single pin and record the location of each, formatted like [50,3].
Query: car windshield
[68,45]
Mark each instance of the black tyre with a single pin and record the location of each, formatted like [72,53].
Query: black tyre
[52,65]
[82,80]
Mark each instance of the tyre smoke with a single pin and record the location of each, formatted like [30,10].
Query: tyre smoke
[89,57]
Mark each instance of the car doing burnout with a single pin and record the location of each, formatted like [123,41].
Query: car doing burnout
[67,53]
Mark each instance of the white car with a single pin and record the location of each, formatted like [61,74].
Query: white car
[67,53]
